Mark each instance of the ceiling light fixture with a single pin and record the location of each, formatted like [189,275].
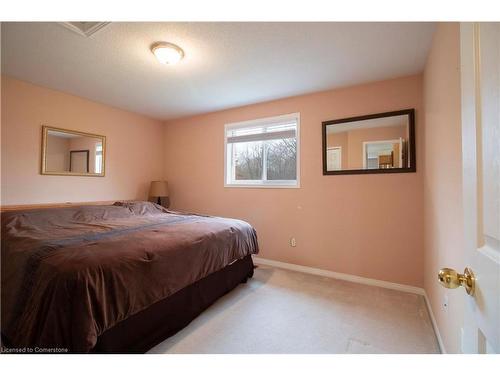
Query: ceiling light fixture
[167,53]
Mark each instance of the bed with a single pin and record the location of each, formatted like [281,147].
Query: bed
[114,278]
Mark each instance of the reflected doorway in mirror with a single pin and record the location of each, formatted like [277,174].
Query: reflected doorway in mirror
[334,158]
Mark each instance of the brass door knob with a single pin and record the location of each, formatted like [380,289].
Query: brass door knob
[449,278]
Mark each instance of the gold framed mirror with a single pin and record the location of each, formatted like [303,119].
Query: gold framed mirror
[72,153]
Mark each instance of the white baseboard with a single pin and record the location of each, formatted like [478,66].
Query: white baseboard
[360,280]
[434,324]
[340,276]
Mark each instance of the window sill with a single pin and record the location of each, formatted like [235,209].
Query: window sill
[262,186]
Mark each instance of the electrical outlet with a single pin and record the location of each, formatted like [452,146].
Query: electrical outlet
[293,242]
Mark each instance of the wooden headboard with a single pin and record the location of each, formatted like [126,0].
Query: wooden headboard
[17,207]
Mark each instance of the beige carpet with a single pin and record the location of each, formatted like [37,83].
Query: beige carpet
[281,311]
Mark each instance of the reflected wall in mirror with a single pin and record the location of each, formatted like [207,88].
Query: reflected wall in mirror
[72,153]
[377,143]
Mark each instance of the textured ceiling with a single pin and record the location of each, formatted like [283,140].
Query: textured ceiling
[226,64]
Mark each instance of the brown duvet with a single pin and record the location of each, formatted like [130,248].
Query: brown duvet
[69,274]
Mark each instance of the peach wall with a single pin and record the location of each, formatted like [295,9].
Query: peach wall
[366,225]
[443,213]
[134,147]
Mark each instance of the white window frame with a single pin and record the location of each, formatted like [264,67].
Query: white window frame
[283,184]
[98,167]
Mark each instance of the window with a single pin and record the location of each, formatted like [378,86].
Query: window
[98,158]
[263,153]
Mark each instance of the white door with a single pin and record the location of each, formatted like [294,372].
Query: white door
[480,70]
[334,159]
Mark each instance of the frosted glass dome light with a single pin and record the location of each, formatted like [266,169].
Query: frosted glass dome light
[167,53]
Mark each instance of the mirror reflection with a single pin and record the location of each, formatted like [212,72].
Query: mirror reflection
[370,144]
[67,152]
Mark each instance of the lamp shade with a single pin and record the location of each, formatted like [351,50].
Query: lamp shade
[158,189]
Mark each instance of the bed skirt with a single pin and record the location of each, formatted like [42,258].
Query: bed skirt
[144,330]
